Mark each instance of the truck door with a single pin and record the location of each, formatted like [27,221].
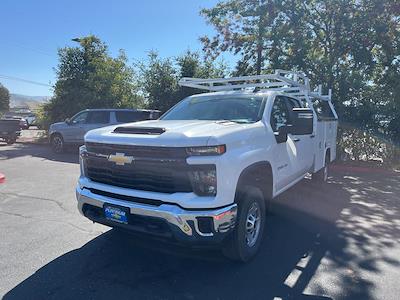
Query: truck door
[75,127]
[285,155]
[304,145]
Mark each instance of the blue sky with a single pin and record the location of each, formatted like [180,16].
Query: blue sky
[32,31]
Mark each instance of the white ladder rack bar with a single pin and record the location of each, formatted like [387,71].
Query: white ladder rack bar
[293,83]
[268,86]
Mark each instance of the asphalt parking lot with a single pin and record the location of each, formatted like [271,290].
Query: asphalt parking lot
[337,241]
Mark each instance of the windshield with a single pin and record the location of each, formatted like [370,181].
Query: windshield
[241,110]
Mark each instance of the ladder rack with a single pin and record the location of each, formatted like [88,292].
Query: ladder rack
[293,83]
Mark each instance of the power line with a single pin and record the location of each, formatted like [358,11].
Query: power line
[24,80]
[31,49]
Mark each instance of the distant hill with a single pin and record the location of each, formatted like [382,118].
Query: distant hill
[24,100]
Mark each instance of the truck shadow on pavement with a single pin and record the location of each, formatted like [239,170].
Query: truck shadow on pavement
[319,240]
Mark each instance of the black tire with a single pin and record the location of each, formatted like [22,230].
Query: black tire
[238,246]
[11,141]
[57,143]
[322,175]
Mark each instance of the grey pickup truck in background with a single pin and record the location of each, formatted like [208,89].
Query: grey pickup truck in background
[72,130]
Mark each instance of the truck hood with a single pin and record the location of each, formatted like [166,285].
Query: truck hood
[176,133]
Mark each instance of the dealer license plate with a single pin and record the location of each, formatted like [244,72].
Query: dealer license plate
[116,214]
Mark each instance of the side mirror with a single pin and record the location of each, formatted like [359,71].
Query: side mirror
[68,121]
[303,121]
[282,134]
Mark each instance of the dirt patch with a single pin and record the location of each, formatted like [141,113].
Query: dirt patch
[33,136]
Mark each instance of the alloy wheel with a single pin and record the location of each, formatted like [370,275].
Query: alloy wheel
[253,222]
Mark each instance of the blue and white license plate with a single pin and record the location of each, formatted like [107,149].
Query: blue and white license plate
[116,214]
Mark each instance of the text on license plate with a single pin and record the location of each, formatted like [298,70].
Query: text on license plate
[116,214]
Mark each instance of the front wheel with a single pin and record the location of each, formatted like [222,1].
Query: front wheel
[57,143]
[247,236]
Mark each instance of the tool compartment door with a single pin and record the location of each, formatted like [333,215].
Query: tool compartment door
[326,132]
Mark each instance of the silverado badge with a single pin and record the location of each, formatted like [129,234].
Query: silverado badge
[120,159]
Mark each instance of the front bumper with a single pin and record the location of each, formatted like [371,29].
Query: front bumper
[184,225]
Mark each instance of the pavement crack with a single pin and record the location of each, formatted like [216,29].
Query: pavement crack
[38,198]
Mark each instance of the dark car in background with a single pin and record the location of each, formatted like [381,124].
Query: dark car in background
[10,130]
[72,130]
[23,123]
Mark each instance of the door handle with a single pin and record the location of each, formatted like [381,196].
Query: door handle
[296,140]
[312,136]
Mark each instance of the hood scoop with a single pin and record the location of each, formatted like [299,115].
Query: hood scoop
[139,130]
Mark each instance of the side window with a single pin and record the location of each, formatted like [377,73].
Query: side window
[280,115]
[131,116]
[154,115]
[294,103]
[143,115]
[99,117]
[323,110]
[80,118]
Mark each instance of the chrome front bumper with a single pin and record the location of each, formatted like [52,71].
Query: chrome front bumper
[185,223]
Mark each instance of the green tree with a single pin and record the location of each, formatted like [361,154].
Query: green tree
[351,46]
[334,42]
[191,64]
[4,99]
[88,77]
[158,82]
[159,77]
[243,28]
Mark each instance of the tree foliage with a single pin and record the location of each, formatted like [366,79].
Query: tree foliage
[243,27]
[159,77]
[4,99]
[351,46]
[88,77]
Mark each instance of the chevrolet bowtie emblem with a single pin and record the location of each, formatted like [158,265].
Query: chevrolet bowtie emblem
[120,159]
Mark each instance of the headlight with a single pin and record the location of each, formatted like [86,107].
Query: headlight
[206,150]
[204,180]
[82,155]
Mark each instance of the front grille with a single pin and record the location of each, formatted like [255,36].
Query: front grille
[139,151]
[127,198]
[157,169]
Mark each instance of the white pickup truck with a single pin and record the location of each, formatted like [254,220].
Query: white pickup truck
[205,172]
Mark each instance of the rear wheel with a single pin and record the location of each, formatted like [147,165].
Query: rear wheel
[57,143]
[247,236]
[11,141]
[322,175]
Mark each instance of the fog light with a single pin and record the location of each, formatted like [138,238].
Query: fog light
[82,156]
[204,181]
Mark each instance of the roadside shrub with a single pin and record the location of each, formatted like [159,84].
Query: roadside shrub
[363,145]
[43,119]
